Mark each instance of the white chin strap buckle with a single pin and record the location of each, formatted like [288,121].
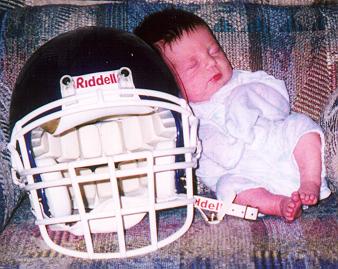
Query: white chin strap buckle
[218,209]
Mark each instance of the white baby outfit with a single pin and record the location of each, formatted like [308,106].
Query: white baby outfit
[248,136]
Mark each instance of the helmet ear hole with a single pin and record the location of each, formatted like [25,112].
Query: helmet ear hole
[66,80]
[125,72]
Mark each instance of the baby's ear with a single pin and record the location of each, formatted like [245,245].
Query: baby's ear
[160,45]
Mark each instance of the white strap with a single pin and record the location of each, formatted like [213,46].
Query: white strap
[242,211]
[219,209]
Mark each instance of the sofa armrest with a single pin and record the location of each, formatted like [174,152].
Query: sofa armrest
[329,123]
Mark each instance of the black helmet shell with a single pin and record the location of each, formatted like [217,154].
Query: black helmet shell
[83,51]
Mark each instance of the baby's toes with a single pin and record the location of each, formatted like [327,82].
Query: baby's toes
[308,199]
[295,196]
[290,214]
[313,199]
[303,196]
[289,210]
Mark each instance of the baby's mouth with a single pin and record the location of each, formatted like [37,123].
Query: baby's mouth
[216,77]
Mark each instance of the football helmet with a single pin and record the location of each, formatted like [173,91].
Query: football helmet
[102,143]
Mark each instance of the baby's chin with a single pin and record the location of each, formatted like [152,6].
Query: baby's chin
[210,90]
[216,86]
[209,93]
[227,77]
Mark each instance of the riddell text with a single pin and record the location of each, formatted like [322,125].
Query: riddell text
[82,82]
[208,204]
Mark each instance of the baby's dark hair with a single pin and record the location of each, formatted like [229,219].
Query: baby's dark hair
[168,25]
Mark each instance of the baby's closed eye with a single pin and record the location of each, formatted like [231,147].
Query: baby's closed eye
[214,50]
[191,65]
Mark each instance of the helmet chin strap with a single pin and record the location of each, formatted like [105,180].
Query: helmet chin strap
[218,209]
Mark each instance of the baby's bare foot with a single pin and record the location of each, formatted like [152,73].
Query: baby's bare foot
[291,208]
[309,193]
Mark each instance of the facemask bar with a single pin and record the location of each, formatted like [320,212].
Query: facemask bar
[117,103]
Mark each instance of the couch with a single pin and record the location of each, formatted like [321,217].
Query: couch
[293,40]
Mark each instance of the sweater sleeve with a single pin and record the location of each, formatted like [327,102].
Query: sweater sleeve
[250,102]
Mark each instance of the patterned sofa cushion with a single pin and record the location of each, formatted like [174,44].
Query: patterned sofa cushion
[9,193]
[291,43]
[329,123]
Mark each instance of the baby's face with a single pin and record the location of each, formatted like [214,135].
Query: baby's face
[198,64]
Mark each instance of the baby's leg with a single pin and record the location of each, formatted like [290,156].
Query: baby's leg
[271,204]
[308,157]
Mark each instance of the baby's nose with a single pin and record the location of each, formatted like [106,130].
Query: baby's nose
[210,61]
